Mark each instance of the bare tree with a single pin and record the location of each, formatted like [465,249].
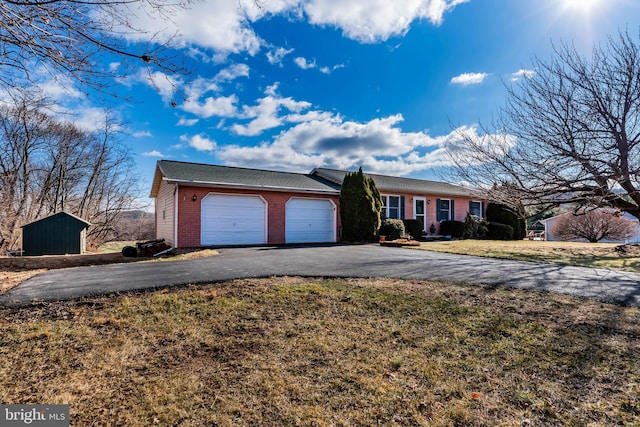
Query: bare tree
[568,134]
[593,225]
[22,134]
[78,39]
[48,165]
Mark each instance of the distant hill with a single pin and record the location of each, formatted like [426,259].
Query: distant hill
[135,215]
[132,225]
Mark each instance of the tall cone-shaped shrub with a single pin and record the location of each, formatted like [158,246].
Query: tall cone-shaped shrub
[360,207]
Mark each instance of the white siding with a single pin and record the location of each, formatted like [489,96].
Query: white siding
[165,213]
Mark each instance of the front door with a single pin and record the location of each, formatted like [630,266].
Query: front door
[419,211]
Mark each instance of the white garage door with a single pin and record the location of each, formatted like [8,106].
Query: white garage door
[233,220]
[310,221]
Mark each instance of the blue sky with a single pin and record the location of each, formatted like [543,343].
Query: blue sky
[298,84]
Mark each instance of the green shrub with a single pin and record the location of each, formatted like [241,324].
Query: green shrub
[392,228]
[497,231]
[454,229]
[474,227]
[413,227]
[504,215]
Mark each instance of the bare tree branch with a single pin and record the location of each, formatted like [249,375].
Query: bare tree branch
[568,134]
[48,165]
[78,39]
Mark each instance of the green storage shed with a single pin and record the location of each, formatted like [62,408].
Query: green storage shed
[58,234]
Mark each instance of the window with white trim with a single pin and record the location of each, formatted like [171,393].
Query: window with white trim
[444,209]
[475,208]
[391,206]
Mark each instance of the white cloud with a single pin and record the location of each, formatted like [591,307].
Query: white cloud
[201,86]
[232,72]
[226,26]
[527,74]
[371,21]
[141,134]
[224,106]
[272,90]
[379,145]
[275,57]
[267,113]
[58,88]
[163,83]
[199,142]
[497,144]
[154,153]
[91,118]
[469,78]
[329,70]
[187,122]
[218,24]
[304,64]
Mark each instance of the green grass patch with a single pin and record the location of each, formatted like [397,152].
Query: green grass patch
[595,255]
[304,352]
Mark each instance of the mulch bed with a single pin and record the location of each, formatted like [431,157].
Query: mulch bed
[399,243]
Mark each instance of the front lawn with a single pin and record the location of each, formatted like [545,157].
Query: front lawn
[311,352]
[598,255]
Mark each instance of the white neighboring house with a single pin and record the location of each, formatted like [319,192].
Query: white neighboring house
[549,222]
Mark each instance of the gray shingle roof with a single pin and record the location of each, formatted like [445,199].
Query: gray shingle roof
[214,175]
[386,183]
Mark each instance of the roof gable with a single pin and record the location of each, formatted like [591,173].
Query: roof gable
[386,183]
[235,177]
[62,213]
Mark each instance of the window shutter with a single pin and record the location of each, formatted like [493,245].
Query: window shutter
[451,211]
[438,212]
[469,210]
[401,207]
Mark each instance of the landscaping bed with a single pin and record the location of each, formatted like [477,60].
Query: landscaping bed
[399,243]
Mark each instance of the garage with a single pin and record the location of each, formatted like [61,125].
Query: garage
[233,220]
[310,221]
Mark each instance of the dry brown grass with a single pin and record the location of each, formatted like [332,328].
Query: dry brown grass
[597,255]
[305,352]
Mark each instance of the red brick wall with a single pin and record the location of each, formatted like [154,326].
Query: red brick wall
[189,212]
[461,206]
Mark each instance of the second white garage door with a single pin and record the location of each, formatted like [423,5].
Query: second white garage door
[233,220]
[310,221]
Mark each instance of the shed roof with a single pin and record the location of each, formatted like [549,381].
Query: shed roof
[402,185]
[235,177]
[62,213]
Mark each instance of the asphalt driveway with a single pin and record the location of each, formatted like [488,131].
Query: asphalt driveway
[328,261]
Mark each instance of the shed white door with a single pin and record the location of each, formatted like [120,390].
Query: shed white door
[310,221]
[233,220]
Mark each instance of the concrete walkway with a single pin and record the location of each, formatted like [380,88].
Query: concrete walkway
[328,261]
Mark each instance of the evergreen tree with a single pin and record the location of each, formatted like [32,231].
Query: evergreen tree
[360,207]
[504,215]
